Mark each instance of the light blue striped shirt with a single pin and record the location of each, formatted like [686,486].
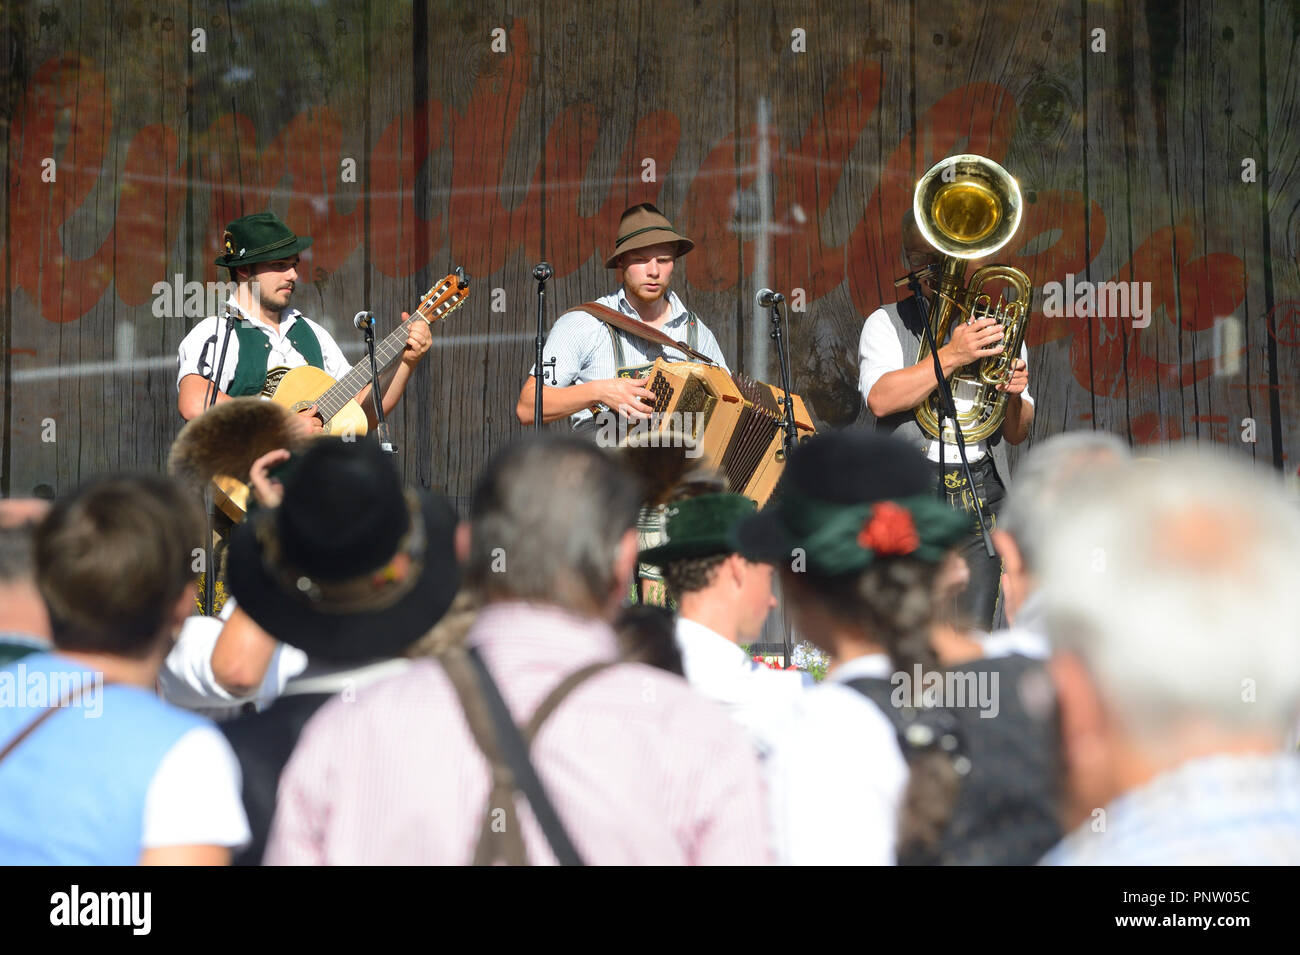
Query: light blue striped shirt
[580,344]
[1220,810]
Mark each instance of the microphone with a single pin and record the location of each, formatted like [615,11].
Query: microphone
[543,271]
[923,272]
[363,320]
[767,298]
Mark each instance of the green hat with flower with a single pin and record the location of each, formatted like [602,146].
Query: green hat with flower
[848,498]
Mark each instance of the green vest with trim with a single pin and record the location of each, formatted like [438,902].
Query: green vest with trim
[250,370]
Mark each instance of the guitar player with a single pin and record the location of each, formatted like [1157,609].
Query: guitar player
[261,254]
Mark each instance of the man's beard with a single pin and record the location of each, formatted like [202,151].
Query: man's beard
[651,299]
[276,308]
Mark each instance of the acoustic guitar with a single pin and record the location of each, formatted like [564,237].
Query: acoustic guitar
[299,388]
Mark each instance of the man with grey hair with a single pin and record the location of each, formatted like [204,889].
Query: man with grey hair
[1169,592]
[633,766]
[1042,479]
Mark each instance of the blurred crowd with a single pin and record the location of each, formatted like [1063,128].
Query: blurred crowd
[389,683]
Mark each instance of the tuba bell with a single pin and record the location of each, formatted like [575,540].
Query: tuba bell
[968,207]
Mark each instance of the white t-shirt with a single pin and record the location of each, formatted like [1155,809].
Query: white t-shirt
[198,355]
[880,352]
[186,678]
[194,796]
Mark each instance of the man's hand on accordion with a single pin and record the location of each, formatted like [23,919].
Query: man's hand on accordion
[629,396]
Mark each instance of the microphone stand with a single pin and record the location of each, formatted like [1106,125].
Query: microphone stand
[381,425]
[541,273]
[947,408]
[209,551]
[791,438]
[783,358]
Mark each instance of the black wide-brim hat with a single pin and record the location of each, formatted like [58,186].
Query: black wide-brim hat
[319,608]
[261,237]
[848,467]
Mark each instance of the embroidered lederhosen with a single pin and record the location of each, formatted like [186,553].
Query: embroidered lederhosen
[649,522]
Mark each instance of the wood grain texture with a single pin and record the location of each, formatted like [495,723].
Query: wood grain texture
[494,151]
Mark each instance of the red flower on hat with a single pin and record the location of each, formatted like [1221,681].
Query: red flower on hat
[889,531]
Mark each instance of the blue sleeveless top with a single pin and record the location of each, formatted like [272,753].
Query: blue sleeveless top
[73,792]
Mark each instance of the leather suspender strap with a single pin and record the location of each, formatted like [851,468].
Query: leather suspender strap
[503,840]
[620,360]
[67,700]
[638,329]
[506,750]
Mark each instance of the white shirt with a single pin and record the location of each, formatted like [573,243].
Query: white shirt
[836,775]
[194,796]
[760,699]
[186,678]
[197,355]
[580,344]
[880,352]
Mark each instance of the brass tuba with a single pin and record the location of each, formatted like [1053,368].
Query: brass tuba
[968,207]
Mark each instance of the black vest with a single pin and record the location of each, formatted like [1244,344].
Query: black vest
[263,742]
[1006,810]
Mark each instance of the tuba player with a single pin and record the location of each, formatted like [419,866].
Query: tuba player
[893,384]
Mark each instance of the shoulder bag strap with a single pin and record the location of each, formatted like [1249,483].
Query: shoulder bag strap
[638,329]
[67,700]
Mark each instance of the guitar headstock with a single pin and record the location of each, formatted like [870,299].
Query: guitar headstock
[445,297]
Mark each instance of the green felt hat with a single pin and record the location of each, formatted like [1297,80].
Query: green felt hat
[699,527]
[260,237]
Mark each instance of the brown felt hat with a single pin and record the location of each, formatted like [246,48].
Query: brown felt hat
[643,226]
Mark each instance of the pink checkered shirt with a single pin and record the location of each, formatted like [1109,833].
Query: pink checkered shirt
[641,769]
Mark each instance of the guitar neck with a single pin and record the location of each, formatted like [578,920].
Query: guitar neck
[445,297]
[346,388]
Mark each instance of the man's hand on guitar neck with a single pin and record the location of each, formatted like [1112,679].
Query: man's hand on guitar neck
[418,340]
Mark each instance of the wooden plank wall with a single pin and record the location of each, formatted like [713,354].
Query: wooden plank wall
[494,151]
